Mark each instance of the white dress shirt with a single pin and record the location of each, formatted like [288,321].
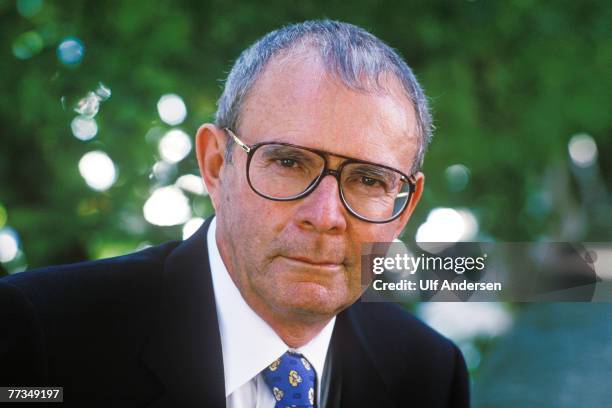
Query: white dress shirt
[249,344]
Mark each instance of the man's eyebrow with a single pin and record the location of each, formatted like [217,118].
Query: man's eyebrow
[375,169]
[288,151]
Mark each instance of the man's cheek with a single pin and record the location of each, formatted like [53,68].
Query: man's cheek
[381,233]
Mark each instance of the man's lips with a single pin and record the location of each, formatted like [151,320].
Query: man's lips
[323,263]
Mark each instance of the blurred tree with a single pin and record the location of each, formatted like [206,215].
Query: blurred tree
[509,83]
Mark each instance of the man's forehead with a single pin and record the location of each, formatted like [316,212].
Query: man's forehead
[296,100]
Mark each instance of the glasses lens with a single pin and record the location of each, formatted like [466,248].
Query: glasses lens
[282,172]
[374,192]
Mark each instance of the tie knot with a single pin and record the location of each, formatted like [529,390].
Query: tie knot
[292,380]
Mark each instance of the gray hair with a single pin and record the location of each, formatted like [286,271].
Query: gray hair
[351,54]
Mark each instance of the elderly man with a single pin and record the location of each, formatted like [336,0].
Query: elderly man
[319,137]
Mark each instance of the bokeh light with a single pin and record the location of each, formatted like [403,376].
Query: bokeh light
[70,51]
[9,244]
[448,225]
[461,321]
[192,226]
[582,150]
[89,105]
[103,92]
[29,8]
[172,109]
[98,170]
[167,206]
[192,183]
[27,45]
[164,172]
[84,128]
[174,146]
[457,177]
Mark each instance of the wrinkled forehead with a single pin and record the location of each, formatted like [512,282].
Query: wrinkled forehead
[296,100]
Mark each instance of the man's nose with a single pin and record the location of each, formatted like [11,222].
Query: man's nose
[322,210]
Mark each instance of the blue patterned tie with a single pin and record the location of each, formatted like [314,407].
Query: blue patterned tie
[292,380]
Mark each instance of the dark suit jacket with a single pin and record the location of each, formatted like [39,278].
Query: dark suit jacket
[141,331]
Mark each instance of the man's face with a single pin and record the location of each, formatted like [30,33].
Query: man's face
[302,257]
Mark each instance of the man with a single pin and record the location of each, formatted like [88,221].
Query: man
[319,135]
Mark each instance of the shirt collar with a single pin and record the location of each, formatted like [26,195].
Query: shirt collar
[248,343]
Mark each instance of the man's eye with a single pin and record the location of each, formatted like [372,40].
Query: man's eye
[368,181]
[289,163]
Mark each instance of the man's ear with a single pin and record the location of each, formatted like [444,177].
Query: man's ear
[419,179]
[210,150]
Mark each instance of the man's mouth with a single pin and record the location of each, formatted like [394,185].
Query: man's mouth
[314,262]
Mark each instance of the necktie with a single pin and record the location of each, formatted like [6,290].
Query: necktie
[292,381]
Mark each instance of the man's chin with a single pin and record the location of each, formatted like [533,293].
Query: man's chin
[312,299]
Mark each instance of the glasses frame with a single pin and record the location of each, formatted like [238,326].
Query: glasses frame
[250,151]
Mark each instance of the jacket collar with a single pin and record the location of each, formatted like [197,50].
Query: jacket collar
[184,350]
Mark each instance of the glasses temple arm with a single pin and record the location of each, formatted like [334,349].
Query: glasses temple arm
[239,142]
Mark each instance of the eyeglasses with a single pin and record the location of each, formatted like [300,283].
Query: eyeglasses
[285,172]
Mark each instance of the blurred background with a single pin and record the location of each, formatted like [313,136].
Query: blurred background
[101,101]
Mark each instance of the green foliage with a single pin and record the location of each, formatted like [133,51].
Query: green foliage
[509,83]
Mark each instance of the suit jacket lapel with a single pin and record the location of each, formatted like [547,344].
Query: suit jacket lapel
[184,350]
